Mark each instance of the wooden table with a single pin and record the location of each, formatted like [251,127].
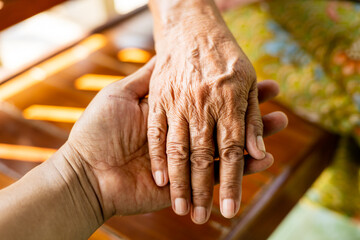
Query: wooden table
[301,151]
[14,11]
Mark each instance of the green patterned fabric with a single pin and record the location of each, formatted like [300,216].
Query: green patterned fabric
[337,188]
[312,48]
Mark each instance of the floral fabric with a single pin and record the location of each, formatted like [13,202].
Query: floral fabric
[312,48]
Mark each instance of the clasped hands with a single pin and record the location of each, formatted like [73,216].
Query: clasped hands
[128,154]
[109,142]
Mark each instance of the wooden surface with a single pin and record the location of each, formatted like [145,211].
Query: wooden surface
[301,151]
[14,11]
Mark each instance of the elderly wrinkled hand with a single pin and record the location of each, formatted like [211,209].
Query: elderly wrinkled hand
[203,99]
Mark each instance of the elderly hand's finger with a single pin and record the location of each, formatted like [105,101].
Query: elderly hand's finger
[177,150]
[230,140]
[138,84]
[202,150]
[251,165]
[267,90]
[157,129]
[273,123]
[254,126]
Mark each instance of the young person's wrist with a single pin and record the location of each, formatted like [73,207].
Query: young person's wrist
[53,199]
[73,177]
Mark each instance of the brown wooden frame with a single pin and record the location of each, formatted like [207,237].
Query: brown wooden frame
[14,11]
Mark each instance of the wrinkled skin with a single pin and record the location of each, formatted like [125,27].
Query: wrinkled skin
[109,142]
[203,100]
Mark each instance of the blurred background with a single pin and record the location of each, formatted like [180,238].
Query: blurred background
[56,55]
[51,30]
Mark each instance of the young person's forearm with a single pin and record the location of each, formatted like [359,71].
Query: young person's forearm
[52,201]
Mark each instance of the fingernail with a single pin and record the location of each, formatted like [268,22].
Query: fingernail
[228,208]
[260,144]
[159,178]
[180,206]
[199,214]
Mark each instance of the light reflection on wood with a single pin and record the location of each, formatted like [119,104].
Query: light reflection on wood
[25,153]
[53,113]
[134,55]
[52,66]
[95,82]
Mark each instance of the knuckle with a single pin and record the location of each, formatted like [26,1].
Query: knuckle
[251,73]
[201,164]
[246,69]
[232,154]
[177,152]
[253,95]
[179,186]
[201,194]
[157,159]
[156,135]
[175,163]
[202,159]
[231,188]
[257,123]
